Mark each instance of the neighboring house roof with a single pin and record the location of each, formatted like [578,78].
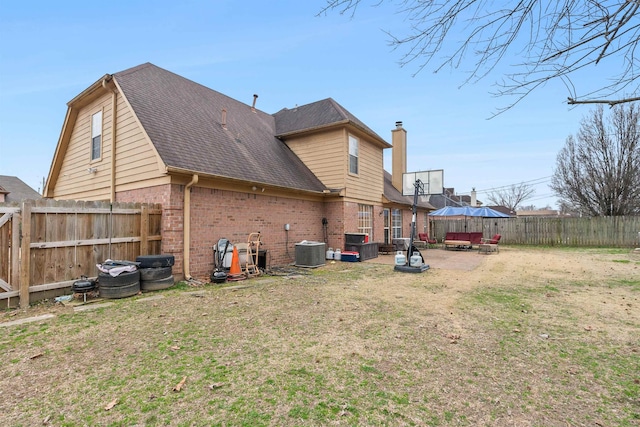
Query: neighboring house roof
[318,115]
[449,198]
[392,194]
[503,209]
[183,119]
[539,212]
[15,190]
[440,201]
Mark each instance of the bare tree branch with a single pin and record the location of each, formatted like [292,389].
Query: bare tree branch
[611,102]
[551,40]
[512,196]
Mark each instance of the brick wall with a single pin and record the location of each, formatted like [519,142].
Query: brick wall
[350,220]
[335,214]
[350,212]
[171,198]
[378,225]
[217,214]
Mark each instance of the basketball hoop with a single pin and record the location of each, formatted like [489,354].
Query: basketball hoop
[432,182]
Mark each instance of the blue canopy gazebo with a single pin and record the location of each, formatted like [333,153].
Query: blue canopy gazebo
[465,211]
[468,211]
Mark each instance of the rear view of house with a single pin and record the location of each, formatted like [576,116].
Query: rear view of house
[224,169]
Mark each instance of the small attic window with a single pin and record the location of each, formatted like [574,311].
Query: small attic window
[96,136]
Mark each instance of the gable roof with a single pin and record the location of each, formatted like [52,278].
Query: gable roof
[183,119]
[319,115]
[16,190]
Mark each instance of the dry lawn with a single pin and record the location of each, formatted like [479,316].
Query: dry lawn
[526,337]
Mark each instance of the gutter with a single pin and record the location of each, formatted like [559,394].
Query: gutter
[337,124]
[186,240]
[178,170]
[79,99]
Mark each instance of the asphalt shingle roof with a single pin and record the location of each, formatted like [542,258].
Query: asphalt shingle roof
[16,190]
[316,115]
[184,121]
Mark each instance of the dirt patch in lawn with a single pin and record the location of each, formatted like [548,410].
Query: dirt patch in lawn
[522,337]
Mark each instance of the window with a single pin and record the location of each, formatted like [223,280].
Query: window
[96,135]
[353,155]
[365,220]
[396,223]
[387,225]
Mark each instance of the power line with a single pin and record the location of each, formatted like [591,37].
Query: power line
[531,181]
[544,196]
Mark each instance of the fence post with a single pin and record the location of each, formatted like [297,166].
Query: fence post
[144,229]
[14,280]
[25,259]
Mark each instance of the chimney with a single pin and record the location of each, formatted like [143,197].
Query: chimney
[224,118]
[398,155]
[253,106]
[474,202]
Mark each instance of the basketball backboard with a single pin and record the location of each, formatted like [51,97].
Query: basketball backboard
[433,181]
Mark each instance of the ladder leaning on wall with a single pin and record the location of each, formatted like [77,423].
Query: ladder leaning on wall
[253,246]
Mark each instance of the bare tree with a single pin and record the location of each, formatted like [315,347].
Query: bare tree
[512,196]
[598,171]
[552,39]
[566,208]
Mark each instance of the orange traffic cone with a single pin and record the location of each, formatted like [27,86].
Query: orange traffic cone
[235,273]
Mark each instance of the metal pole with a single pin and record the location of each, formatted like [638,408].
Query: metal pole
[110,226]
[419,188]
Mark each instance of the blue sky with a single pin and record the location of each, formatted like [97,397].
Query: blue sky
[285,53]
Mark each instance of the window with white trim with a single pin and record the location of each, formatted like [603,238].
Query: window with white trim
[396,223]
[387,225]
[365,220]
[96,135]
[353,155]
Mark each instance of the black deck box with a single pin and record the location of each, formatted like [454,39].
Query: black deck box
[366,250]
[356,238]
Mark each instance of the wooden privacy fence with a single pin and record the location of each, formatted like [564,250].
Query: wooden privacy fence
[616,231]
[46,245]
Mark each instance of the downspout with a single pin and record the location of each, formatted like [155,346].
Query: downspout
[186,239]
[114,117]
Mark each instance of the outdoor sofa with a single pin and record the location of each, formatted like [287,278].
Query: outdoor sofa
[462,240]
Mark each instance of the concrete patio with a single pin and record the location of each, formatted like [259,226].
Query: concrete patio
[440,259]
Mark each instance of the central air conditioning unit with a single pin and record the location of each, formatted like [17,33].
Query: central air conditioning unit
[310,254]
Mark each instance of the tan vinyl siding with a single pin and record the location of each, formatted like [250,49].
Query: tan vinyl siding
[325,153]
[368,184]
[136,160]
[74,181]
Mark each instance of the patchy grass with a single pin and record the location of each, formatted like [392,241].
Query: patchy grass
[529,337]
